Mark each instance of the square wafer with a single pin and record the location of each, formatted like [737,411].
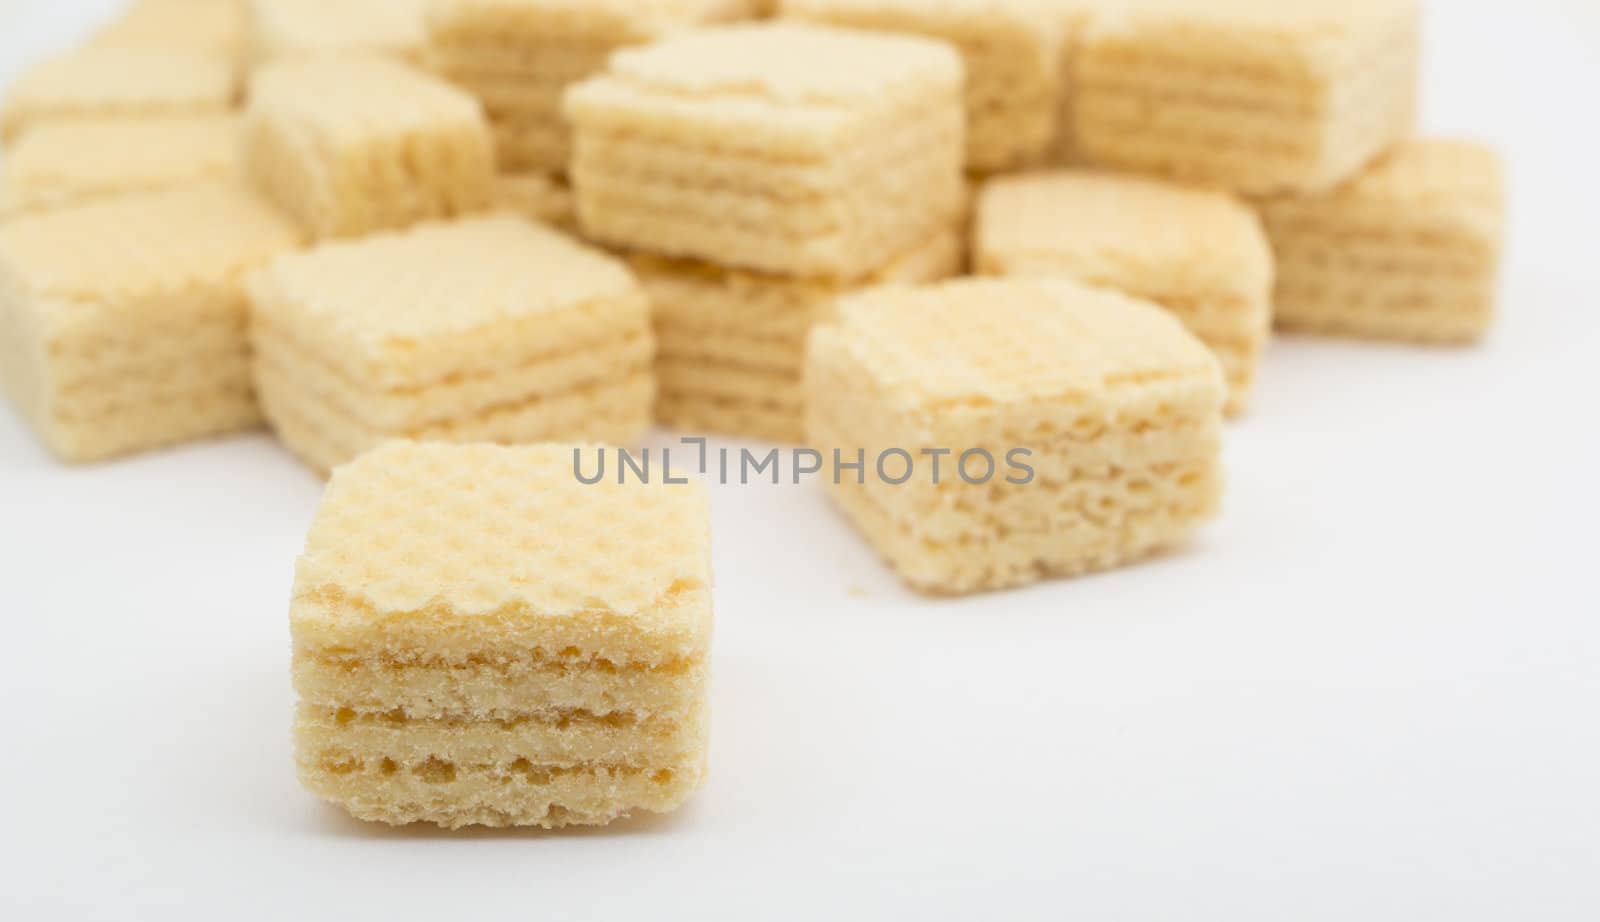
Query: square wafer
[545,197]
[183,25]
[482,639]
[1013,51]
[298,28]
[483,329]
[519,56]
[123,321]
[354,144]
[730,344]
[1008,430]
[1257,95]
[100,81]
[731,145]
[1199,253]
[65,161]
[1407,250]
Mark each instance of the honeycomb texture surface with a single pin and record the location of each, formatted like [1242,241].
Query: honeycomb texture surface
[1201,254]
[1116,406]
[485,328]
[540,644]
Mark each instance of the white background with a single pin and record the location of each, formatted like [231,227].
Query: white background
[1371,691]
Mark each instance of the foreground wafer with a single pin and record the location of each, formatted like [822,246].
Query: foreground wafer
[123,321]
[352,145]
[735,145]
[482,639]
[1014,52]
[1008,430]
[1200,254]
[491,329]
[1407,250]
[1261,96]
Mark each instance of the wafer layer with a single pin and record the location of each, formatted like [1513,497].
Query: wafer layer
[442,680]
[730,344]
[352,145]
[543,197]
[65,161]
[294,28]
[1407,250]
[179,25]
[1013,52]
[490,328]
[1198,253]
[730,145]
[110,81]
[1259,96]
[519,56]
[123,320]
[1013,430]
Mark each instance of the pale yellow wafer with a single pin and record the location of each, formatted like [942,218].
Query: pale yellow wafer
[491,328]
[182,25]
[1013,51]
[581,612]
[1077,428]
[291,28]
[1257,95]
[122,321]
[731,145]
[1407,250]
[519,56]
[66,161]
[112,80]
[354,144]
[1199,253]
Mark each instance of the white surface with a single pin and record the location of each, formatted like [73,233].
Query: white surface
[1368,693]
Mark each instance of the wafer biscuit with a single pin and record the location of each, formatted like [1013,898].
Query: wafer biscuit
[519,56]
[1013,51]
[482,329]
[1200,254]
[543,197]
[1082,428]
[294,28]
[350,145]
[539,644]
[184,25]
[731,344]
[1260,96]
[65,161]
[731,145]
[1407,250]
[122,321]
[101,81]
